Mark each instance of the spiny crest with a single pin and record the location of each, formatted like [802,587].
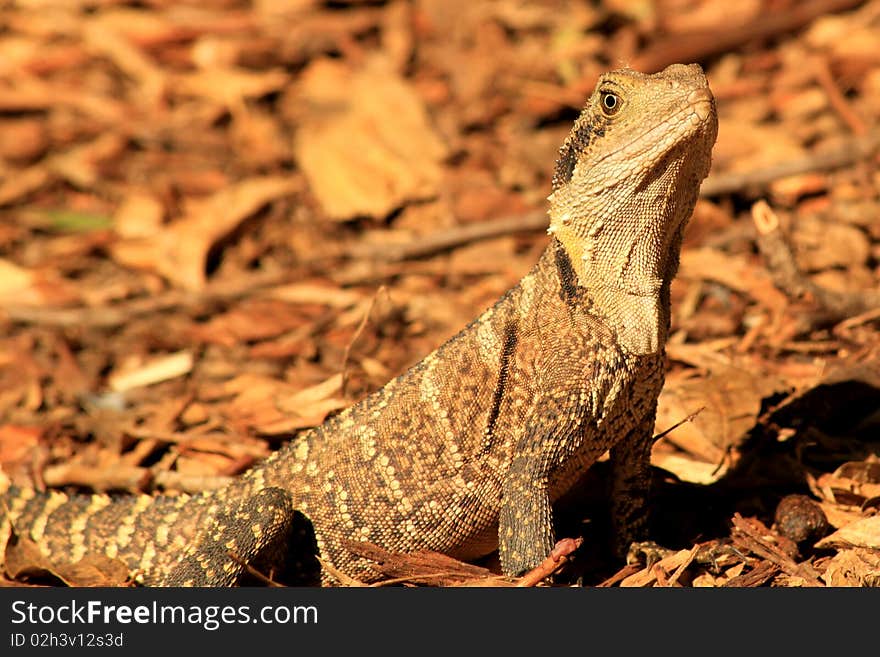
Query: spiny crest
[587,126]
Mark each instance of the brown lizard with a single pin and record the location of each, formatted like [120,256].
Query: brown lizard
[465,452]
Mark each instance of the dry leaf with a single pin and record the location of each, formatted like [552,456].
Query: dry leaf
[853,568]
[23,559]
[14,281]
[730,397]
[155,370]
[308,293]
[139,215]
[366,144]
[17,441]
[272,407]
[648,576]
[861,533]
[259,319]
[734,272]
[229,86]
[825,244]
[179,251]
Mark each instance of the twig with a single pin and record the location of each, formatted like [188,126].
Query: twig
[338,575]
[788,277]
[749,535]
[673,579]
[836,98]
[696,46]
[446,239]
[844,154]
[689,418]
[763,572]
[620,575]
[268,581]
[557,558]
[657,572]
[134,479]
[111,316]
[357,333]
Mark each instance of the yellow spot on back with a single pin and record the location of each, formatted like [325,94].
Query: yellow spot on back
[148,556]
[38,527]
[19,502]
[301,451]
[126,529]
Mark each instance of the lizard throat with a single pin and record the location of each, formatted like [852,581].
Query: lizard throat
[636,317]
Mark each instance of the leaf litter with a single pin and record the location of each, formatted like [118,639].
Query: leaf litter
[221,222]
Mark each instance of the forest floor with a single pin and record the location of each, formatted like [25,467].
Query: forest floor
[222,221]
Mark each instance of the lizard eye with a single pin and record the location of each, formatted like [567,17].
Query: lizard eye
[610,103]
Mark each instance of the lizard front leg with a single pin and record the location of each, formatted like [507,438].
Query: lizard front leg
[631,484]
[525,527]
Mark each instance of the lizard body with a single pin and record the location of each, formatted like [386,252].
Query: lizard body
[465,452]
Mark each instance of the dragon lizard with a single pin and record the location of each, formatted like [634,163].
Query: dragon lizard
[465,452]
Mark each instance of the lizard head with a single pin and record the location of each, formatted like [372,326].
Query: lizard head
[626,182]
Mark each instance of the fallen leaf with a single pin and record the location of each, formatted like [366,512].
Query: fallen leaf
[155,370]
[733,271]
[139,215]
[273,407]
[14,280]
[861,533]
[854,567]
[230,86]
[366,144]
[24,560]
[17,441]
[730,398]
[179,252]
[308,293]
[257,319]
[20,286]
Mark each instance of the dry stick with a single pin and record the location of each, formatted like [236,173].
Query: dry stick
[751,537]
[109,317]
[836,98]
[620,575]
[673,579]
[447,239]
[696,46]
[835,306]
[268,581]
[557,558]
[760,574]
[135,479]
[338,575]
[357,333]
[689,418]
[846,154]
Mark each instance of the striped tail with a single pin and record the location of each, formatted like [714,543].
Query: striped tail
[141,531]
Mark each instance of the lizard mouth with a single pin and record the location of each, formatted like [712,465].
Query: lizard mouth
[701,101]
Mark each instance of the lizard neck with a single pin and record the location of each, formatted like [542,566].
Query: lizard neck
[639,322]
[623,256]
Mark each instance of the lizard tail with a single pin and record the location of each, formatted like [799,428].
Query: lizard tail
[140,530]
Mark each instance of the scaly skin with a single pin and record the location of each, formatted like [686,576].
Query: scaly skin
[466,451]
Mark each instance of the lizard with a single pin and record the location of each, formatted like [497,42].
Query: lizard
[465,452]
